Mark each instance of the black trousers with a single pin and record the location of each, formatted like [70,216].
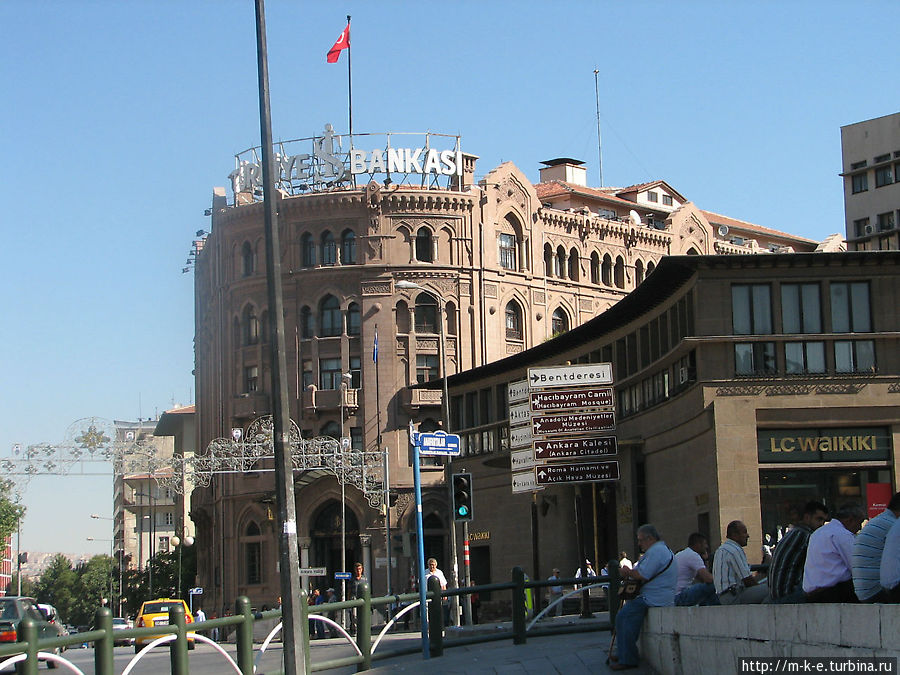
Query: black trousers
[840,592]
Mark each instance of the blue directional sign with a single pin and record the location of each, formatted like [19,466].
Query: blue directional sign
[438,443]
[346,576]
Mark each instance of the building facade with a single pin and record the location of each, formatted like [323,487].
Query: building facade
[745,386]
[870,153]
[490,267]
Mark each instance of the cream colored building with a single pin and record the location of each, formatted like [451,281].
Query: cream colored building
[870,153]
[505,264]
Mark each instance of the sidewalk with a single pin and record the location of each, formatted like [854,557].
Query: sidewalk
[568,654]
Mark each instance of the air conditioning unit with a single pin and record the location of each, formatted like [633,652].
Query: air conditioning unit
[683,374]
[869,229]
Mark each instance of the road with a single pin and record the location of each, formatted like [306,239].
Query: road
[205,660]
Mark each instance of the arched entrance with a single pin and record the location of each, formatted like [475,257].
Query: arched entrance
[435,531]
[325,539]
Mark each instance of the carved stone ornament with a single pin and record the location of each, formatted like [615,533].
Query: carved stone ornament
[490,290]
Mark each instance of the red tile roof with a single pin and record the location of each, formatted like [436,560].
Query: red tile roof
[734,223]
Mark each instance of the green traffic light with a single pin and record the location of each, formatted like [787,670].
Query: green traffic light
[463,511]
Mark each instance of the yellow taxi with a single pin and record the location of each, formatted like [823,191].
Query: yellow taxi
[156,613]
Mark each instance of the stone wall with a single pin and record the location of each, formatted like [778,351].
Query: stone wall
[677,640]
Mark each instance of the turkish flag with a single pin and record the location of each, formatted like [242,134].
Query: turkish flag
[343,42]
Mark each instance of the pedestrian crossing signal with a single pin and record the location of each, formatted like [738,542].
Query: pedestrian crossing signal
[462,496]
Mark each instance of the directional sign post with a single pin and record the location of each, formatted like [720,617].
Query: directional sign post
[576,448]
[438,443]
[524,481]
[553,474]
[313,572]
[573,423]
[343,576]
[568,376]
[516,392]
[557,400]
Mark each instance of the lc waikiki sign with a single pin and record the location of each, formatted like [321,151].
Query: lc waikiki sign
[332,161]
[848,444]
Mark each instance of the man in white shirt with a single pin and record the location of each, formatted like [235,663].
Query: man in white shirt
[695,583]
[433,571]
[624,561]
[735,584]
[827,575]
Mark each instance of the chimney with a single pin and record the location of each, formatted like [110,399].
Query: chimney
[565,169]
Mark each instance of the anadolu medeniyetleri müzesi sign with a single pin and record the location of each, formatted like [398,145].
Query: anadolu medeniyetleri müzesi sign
[843,444]
[333,161]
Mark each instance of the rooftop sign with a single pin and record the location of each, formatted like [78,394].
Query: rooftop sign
[334,161]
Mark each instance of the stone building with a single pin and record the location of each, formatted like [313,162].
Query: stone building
[744,387]
[493,266]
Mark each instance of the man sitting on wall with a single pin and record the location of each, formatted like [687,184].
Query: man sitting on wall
[786,572]
[826,574]
[658,573]
[867,550]
[890,564]
[735,584]
[695,583]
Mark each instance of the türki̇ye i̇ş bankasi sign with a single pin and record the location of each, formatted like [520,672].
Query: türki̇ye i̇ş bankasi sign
[332,160]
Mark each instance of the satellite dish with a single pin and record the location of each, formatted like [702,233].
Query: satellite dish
[723,230]
[634,217]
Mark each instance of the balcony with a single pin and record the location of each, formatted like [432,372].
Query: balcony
[254,404]
[322,400]
[414,399]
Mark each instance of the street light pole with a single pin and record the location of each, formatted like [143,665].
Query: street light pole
[178,543]
[445,420]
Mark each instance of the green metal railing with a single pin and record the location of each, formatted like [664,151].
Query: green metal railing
[178,632]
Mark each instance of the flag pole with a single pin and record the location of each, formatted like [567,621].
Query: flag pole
[349,82]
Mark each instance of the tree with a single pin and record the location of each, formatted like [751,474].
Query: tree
[11,511]
[12,588]
[58,586]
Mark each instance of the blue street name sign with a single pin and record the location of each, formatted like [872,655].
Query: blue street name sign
[343,575]
[438,443]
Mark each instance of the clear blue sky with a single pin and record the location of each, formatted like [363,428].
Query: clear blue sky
[120,117]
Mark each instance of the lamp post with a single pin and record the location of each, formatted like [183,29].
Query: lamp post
[178,543]
[345,384]
[97,516]
[445,420]
[111,542]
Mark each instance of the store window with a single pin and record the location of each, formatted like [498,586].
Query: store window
[751,309]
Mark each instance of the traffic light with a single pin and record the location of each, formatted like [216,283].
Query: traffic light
[462,496]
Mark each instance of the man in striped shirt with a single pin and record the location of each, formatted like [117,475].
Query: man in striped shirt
[867,551]
[786,571]
[735,584]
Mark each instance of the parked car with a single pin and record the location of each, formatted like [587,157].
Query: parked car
[121,624]
[52,616]
[13,609]
[156,613]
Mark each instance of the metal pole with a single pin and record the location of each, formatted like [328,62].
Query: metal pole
[152,515]
[387,468]
[467,569]
[343,510]
[448,469]
[599,144]
[420,545]
[289,563]
[19,553]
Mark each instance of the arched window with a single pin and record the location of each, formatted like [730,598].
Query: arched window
[426,314]
[513,321]
[330,316]
[250,324]
[559,322]
[548,260]
[693,251]
[329,250]
[507,253]
[353,319]
[650,267]
[574,264]
[607,270]
[423,245]
[247,259]
[559,263]
[307,326]
[638,272]
[619,272]
[402,317]
[450,309]
[595,268]
[307,251]
[348,247]
[252,544]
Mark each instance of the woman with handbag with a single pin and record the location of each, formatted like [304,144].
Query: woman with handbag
[652,582]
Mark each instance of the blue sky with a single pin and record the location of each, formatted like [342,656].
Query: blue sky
[120,117]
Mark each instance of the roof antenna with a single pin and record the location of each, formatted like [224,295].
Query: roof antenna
[599,144]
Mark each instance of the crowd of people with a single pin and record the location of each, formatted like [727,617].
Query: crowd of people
[821,558]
